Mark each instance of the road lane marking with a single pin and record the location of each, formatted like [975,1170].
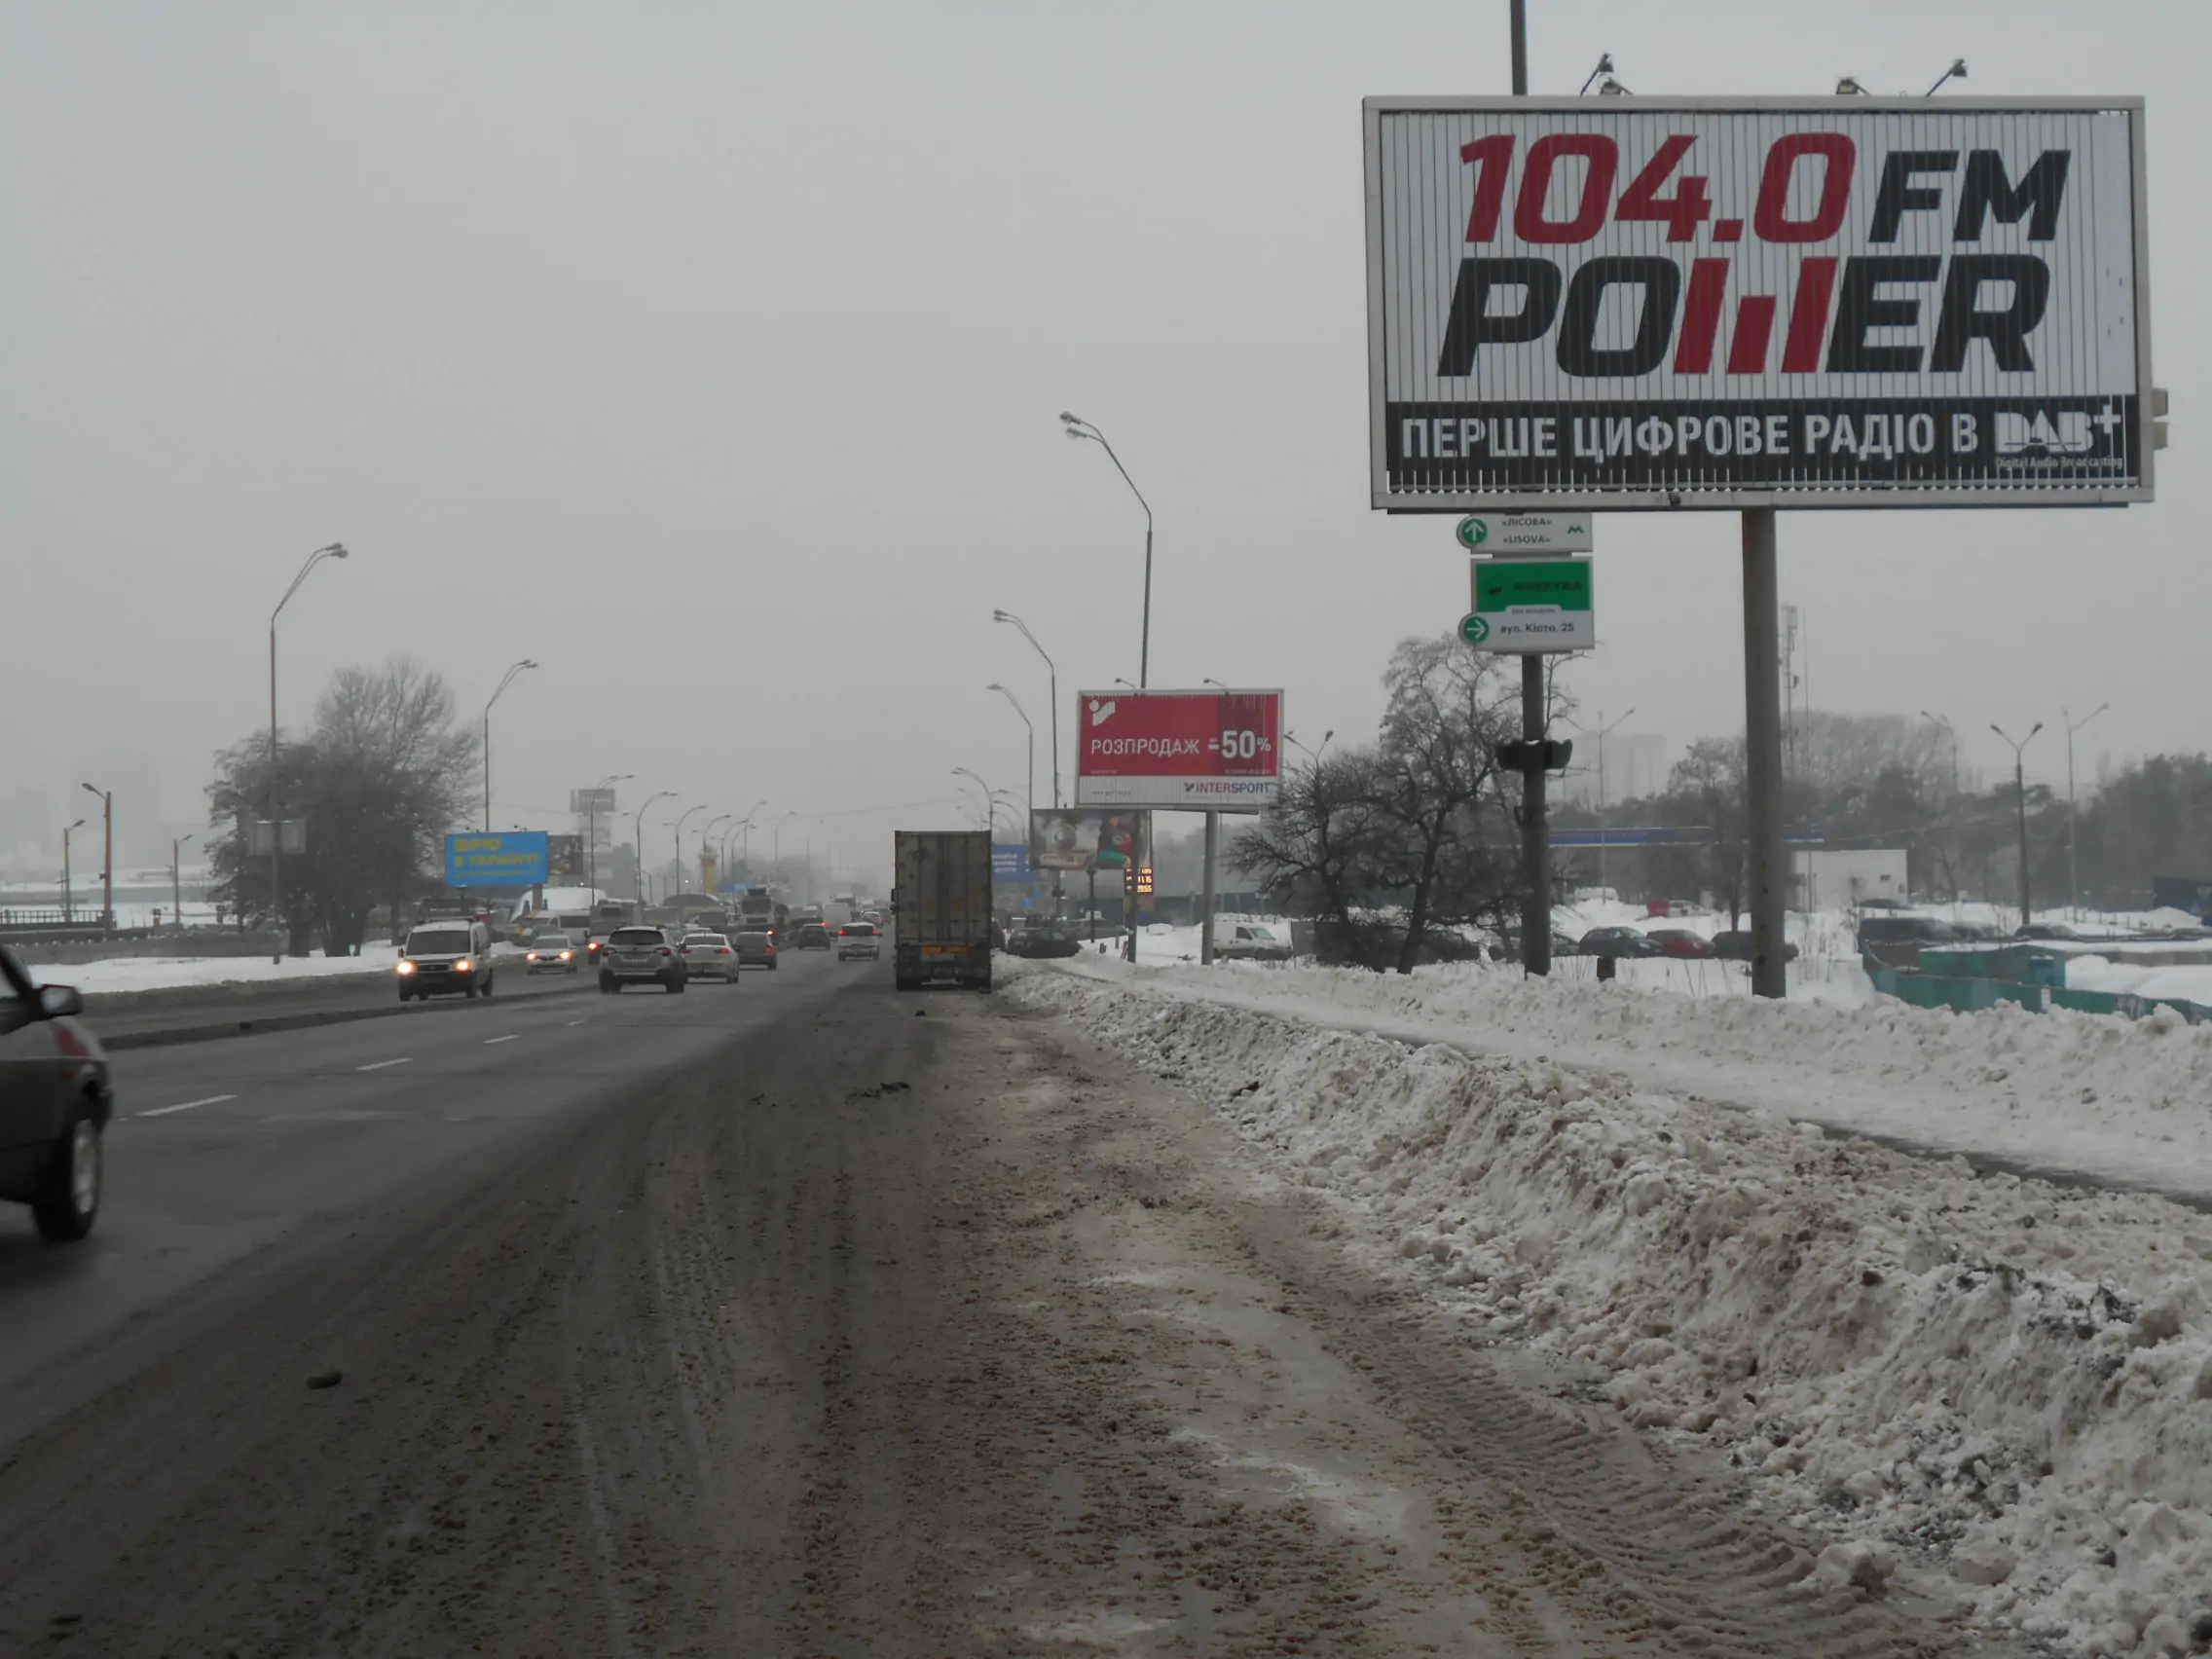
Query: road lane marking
[186,1106]
[571,1022]
[509,1038]
[378,1066]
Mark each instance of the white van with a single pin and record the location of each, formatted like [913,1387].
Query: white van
[446,956]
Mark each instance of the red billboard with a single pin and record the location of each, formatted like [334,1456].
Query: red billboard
[1179,750]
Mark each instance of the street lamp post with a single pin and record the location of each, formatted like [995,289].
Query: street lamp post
[963,772]
[1017,708]
[107,855]
[2021,797]
[503,685]
[591,830]
[1077,428]
[1053,681]
[665,794]
[68,903]
[1601,732]
[336,550]
[681,816]
[2073,867]
[177,881]
[704,885]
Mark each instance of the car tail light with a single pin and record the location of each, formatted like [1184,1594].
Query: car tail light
[685,950]
[665,951]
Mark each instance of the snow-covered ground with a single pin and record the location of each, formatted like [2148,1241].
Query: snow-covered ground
[2002,1379]
[2125,1101]
[155,973]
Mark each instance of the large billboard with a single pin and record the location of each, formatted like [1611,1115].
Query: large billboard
[1854,302]
[516,858]
[1187,751]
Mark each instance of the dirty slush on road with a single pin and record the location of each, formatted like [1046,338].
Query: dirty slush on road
[884,1335]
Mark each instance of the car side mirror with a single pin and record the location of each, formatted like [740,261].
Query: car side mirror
[57,1001]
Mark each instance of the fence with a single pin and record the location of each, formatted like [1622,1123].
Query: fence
[1964,988]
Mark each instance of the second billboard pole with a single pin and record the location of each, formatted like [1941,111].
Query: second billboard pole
[1763,753]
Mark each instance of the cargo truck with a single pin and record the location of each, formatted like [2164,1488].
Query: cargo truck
[940,902]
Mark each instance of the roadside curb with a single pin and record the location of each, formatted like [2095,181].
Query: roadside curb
[211,1030]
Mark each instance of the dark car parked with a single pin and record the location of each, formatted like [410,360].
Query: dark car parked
[54,1104]
[1043,940]
[1735,946]
[1617,942]
[813,935]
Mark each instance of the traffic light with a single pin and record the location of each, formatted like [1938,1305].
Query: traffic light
[1525,755]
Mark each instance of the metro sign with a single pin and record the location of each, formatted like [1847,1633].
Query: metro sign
[1826,302]
[1194,751]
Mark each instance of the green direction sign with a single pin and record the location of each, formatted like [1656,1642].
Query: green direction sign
[1529,606]
[1508,533]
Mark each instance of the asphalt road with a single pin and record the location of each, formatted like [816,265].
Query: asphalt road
[243,1157]
[800,1318]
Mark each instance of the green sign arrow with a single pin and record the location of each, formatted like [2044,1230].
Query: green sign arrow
[1474,629]
[1473,533]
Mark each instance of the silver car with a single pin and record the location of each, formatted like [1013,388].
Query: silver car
[710,954]
[552,954]
[641,955]
[860,939]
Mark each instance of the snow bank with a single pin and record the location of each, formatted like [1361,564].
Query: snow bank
[2120,1100]
[2006,1380]
[153,972]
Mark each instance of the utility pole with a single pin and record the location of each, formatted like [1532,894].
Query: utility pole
[107,855]
[1536,827]
[2020,799]
[640,834]
[503,685]
[336,550]
[177,881]
[2073,865]
[68,903]
[1599,734]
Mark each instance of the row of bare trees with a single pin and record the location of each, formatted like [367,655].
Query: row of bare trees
[1396,847]
[380,777]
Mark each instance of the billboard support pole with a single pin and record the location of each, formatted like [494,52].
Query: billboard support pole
[1762,751]
[1212,888]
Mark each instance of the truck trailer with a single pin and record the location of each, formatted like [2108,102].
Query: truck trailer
[940,902]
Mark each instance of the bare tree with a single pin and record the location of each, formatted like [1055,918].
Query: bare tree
[379,781]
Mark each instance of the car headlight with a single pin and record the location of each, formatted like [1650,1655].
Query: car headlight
[567,956]
[407,966]
[464,965]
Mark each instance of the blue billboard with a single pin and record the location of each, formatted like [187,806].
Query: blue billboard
[1009,861]
[513,858]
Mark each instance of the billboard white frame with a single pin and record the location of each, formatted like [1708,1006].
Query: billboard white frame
[1446,500]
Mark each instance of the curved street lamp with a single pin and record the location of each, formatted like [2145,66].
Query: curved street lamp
[1052,679]
[1078,428]
[639,835]
[336,550]
[1025,721]
[2021,797]
[503,685]
[681,816]
[591,830]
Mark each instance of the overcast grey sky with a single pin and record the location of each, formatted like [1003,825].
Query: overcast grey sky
[729,339]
